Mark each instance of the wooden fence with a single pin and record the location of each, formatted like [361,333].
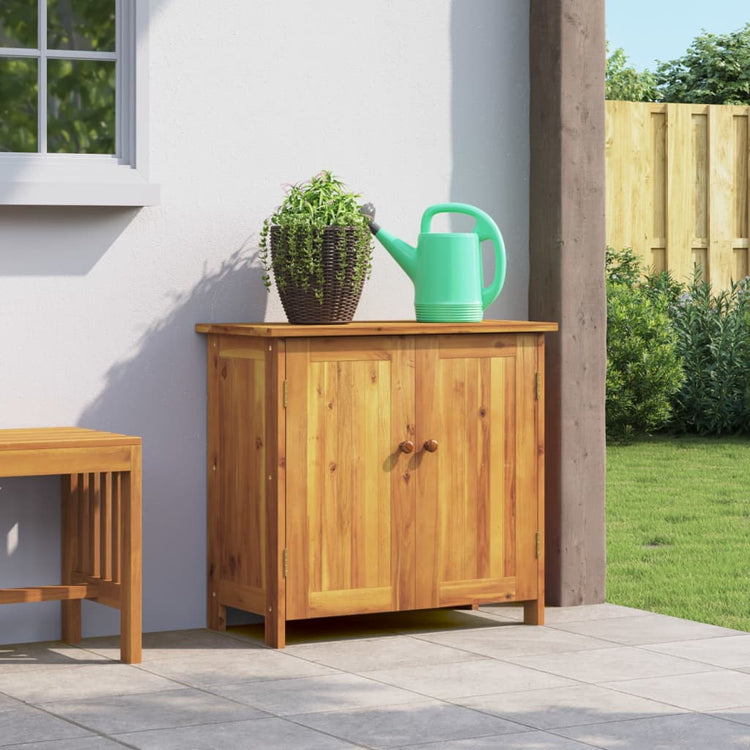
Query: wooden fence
[677,187]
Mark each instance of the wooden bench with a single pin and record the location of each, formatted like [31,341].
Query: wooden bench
[101,522]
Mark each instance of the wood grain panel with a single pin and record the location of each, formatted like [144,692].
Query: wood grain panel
[465,495]
[346,426]
[243,487]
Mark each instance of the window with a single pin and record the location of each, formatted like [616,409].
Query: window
[72,102]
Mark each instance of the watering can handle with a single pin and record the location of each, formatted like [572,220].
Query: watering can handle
[485,229]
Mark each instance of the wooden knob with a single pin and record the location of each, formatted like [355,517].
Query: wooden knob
[431,445]
[406,446]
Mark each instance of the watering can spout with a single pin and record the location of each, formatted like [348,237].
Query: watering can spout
[402,252]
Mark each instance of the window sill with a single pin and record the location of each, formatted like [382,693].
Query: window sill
[77,181]
[27,193]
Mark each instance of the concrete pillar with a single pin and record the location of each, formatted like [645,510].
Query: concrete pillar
[567,242]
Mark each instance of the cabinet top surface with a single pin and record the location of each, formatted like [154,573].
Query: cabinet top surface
[374,328]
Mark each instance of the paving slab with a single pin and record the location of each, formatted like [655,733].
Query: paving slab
[465,679]
[226,666]
[268,734]
[568,706]
[81,681]
[512,639]
[28,724]
[396,726]
[525,741]
[80,743]
[680,732]
[731,652]
[607,664]
[367,654]
[312,694]
[646,629]
[706,691]
[142,711]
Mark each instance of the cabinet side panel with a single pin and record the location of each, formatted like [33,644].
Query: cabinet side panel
[215,612]
[242,436]
[527,459]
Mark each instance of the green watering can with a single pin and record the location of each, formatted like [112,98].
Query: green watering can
[446,267]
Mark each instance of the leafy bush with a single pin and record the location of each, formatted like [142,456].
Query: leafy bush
[644,370]
[713,333]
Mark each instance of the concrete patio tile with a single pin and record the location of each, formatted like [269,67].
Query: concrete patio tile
[740,714]
[525,741]
[465,679]
[555,615]
[82,681]
[568,706]
[27,657]
[80,743]
[227,666]
[177,644]
[269,734]
[645,629]
[513,639]
[141,711]
[706,691]
[380,653]
[7,703]
[731,652]
[312,694]
[607,664]
[680,732]
[396,726]
[27,724]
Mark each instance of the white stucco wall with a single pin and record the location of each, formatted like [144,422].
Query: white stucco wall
[412,102]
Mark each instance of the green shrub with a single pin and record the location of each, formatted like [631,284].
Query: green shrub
[713,334]
[644,370]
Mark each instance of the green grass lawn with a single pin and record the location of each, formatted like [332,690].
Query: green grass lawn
[678,528]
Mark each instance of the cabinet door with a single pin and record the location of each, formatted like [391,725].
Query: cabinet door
[477,519]
[349,494]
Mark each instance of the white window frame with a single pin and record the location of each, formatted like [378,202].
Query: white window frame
[95,179]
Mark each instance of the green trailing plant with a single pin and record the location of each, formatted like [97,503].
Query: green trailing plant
[644,370]
[292,238]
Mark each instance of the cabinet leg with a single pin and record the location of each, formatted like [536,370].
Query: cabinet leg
[217,616]
[533,612]
[275,629]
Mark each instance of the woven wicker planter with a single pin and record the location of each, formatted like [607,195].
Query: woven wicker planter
[340,295]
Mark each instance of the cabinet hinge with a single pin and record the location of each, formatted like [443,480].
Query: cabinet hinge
[538,546]
[286,563]
[538,381]
[286,393]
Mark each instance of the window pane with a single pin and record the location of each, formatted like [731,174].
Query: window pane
[18,104]
[18,27]
[81,25]
[81,107]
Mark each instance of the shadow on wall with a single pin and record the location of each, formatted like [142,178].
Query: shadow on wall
[490,131]
[41,233]
[160,395]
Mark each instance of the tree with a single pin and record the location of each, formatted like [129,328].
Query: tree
[625,83]
[714,70]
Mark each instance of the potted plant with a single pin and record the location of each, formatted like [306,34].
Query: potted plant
[318,246]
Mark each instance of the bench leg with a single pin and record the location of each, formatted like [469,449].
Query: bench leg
[130,584]
[70,626]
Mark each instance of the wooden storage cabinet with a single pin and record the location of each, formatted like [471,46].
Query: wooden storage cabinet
[374,467]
